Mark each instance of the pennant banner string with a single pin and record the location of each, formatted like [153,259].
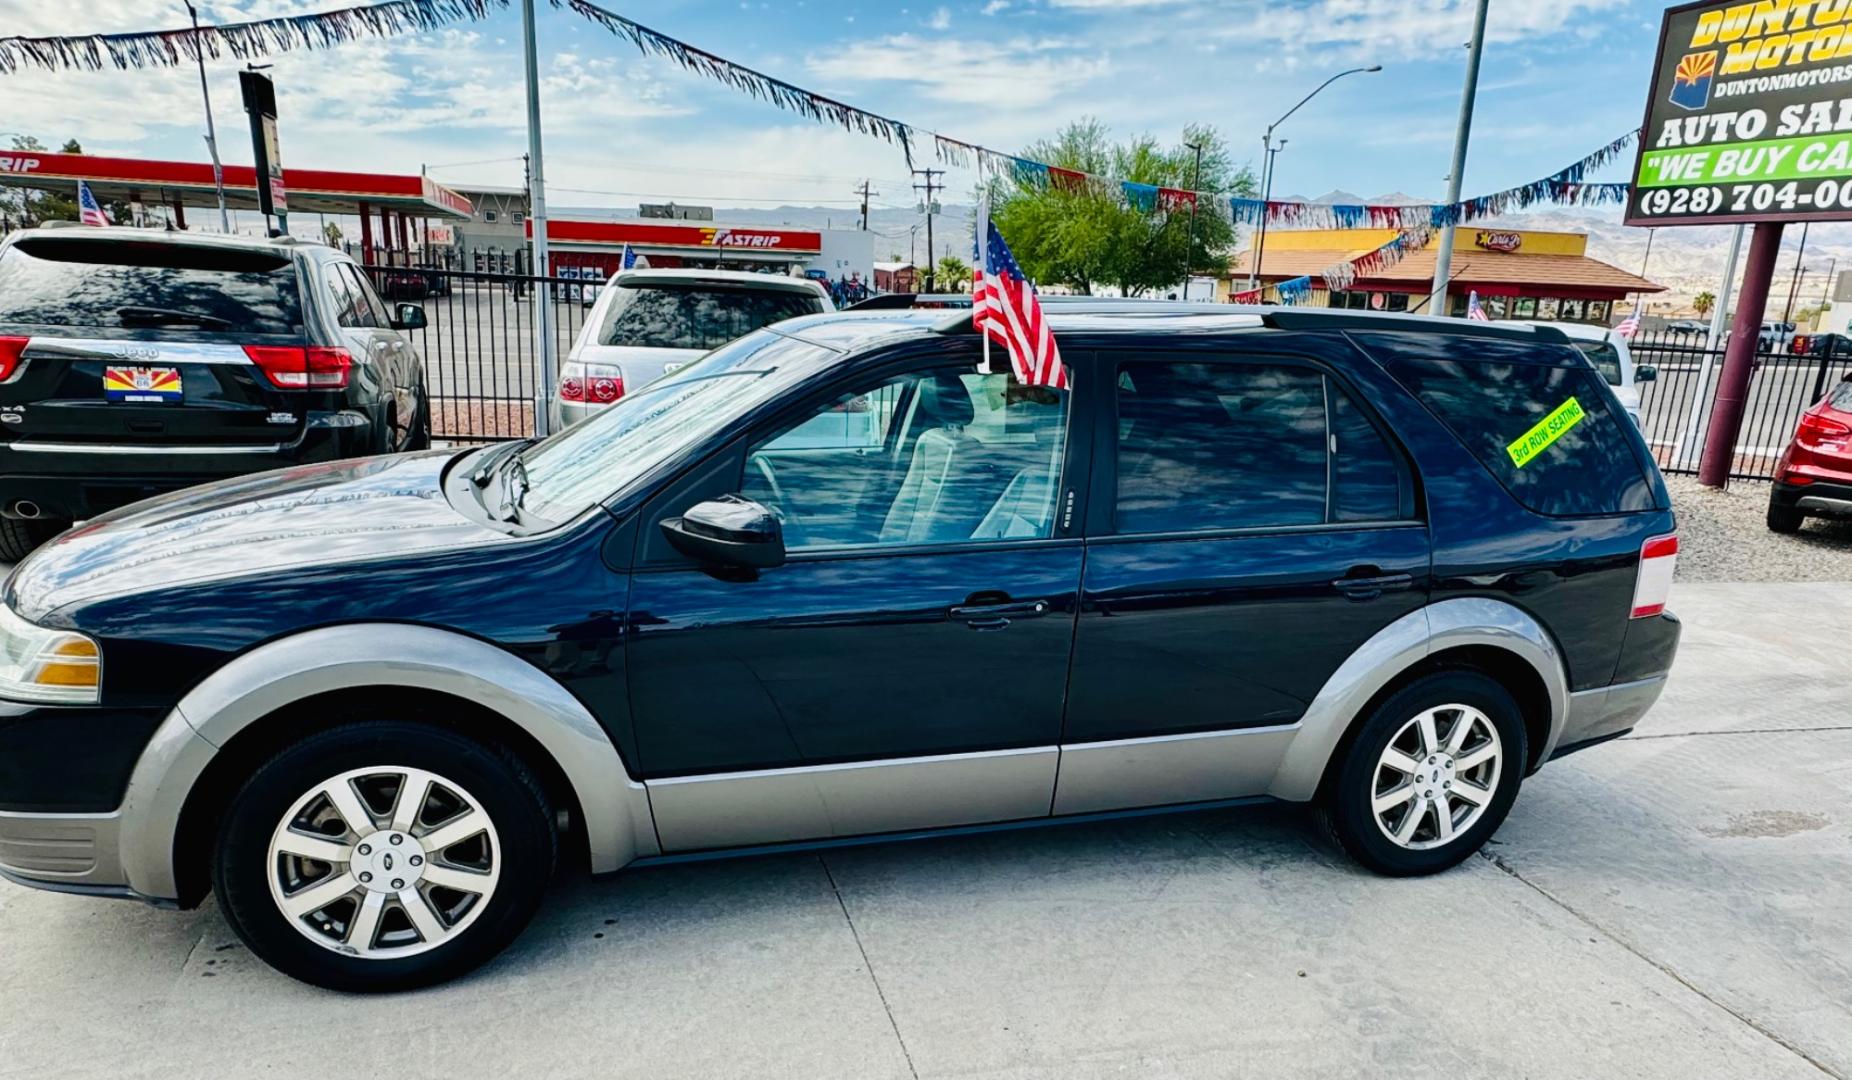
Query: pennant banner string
[243,40]
[246,40]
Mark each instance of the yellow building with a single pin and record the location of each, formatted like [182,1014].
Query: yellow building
[1518,273]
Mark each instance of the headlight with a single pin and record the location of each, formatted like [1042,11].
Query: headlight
[38,664]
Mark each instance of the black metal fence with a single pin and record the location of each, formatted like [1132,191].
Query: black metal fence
[478,343]
[1675,406]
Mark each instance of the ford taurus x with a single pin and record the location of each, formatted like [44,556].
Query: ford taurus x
[833,583]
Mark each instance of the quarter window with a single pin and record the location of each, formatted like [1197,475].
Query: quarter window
[944,455]
[1247,446]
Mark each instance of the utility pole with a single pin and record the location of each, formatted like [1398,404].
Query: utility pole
[212,136]
[1189,252]
[537,220]
[1794,282]
[1690,440]
[1269,150]
[1443,259]
[929,187]
[864,192]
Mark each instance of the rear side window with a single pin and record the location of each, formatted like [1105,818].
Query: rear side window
[697,315]
[1840,397]
[92,283]
[1605,357]
[1247,446]
[1546,432]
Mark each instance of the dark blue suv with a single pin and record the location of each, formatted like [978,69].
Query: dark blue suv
[834,583]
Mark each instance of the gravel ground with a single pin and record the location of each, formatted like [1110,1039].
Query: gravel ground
[1722,537]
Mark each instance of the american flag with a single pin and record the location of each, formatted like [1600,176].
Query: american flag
[88,211]
[628,260]
[1005,310]
[1473,310]
[1630,325]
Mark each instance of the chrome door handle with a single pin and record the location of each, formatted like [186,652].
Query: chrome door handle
[997,616]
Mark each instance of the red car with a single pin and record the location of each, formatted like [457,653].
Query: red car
[1814,476]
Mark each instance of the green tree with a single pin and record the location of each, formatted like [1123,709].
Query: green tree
[1088,237]
[953,273]
[1703,303]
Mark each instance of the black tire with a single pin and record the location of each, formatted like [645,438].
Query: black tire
[1345,804]
[20,538]
[420,438]
[1784,519]
[499,783]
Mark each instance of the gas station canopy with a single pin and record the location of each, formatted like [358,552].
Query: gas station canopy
[189,183]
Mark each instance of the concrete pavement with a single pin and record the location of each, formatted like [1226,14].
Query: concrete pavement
[1673,905]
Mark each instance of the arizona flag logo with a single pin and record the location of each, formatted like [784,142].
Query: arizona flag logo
[141,384]
[1691,83]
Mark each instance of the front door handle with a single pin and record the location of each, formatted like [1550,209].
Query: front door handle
[998,615]
[1369,588]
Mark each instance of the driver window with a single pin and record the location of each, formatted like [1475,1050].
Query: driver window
[936,456]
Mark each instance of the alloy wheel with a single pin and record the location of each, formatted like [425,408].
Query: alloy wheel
[385,862]
[1436,777]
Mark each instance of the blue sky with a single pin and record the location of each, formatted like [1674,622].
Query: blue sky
[1560,77]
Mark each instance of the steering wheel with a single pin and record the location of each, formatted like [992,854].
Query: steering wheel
[787,516]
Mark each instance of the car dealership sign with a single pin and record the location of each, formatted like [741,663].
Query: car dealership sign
[1749,117]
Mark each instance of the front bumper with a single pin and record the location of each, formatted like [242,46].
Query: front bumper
[77,481]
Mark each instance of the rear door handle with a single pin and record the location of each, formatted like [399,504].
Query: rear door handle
[1369,588]
[997,616]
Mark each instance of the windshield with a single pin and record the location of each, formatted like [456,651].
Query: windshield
[596,459]
[1605,358]
[698,315]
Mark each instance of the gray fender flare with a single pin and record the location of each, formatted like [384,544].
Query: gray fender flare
[1397,647]
[616,808]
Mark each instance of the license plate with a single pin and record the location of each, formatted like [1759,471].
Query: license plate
[142,385]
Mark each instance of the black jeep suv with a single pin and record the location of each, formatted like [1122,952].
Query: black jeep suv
[137,361]
[831,583]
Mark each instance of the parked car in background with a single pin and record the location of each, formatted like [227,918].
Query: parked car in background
[1775,336]
[898,301]
[1813,477]
[1686,327]
[647,323]
[1386,566]
[1607,350]
[138,361]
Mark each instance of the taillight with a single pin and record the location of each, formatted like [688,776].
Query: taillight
[291,367]
[1816,430]
[597,384]
[1653,587]
[10,350]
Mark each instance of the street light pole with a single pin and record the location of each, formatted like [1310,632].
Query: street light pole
[1794,282]
[212,136]
[1443,259]
[1268,150]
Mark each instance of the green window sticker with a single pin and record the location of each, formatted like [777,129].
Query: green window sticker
[1525,448]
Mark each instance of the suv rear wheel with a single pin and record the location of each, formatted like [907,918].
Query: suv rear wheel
[384,856]
[19,537]
[1430,776]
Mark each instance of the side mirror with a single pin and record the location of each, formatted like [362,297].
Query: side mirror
[1645,373]
[408,317]
[729,531]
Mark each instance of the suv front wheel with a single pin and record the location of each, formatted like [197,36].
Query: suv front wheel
[384,856]
[1431,774]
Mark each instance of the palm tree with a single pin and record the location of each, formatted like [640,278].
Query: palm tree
[1703,302]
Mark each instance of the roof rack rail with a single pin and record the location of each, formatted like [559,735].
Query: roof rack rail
[1339,319]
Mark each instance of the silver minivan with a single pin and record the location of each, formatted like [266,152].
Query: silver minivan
[647,323]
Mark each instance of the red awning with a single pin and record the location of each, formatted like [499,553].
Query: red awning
[190,182]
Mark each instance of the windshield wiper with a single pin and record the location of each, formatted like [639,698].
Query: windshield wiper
[153,316]
[493,461]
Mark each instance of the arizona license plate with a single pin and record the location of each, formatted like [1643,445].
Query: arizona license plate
[142,385]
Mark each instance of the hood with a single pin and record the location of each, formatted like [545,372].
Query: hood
[300,518]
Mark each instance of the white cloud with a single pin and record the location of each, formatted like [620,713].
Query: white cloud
[995,6]
[1024,72]
[941,19]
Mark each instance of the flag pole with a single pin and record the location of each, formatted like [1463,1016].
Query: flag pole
[981,234]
